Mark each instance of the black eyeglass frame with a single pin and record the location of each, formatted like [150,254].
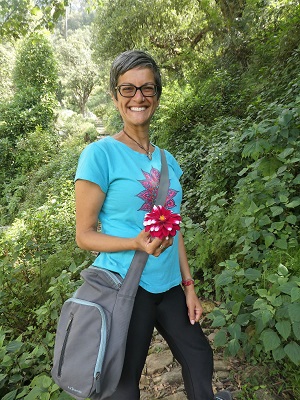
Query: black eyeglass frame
[137,88]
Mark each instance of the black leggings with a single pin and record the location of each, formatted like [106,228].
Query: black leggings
[168,313]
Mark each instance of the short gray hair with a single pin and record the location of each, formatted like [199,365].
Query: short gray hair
[133,59]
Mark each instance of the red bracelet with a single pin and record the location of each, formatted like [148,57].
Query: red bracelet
[187,282]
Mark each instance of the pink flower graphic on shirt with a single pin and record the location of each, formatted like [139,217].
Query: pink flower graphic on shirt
[148,195]
[161,222]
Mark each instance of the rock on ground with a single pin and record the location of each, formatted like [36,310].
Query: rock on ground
[162,379]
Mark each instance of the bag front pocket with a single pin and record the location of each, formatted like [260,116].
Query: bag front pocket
[80,347]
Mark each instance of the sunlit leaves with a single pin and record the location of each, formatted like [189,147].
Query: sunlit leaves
[18,17]
[78,72]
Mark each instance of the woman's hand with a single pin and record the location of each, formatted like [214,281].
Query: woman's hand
[153,246]
[193,304]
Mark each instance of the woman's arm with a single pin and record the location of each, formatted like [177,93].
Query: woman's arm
[193,303]
[89,200]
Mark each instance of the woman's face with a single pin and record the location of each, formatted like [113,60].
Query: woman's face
[138,110]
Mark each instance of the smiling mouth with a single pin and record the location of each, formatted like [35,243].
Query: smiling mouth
[137,109]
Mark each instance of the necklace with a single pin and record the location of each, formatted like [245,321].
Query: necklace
[148,152]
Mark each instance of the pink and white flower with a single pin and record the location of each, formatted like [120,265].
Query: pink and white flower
[161,222]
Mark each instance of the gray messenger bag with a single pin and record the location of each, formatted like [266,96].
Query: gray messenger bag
[92,328]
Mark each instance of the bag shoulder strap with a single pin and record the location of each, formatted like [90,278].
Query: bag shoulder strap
[164,180]
[140,258]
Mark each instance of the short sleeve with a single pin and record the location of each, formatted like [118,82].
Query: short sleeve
[93,166]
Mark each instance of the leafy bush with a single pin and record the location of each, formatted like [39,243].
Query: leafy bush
[261,316]
[27,358]
[30,113]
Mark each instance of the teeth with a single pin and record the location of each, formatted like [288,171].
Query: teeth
[137,108]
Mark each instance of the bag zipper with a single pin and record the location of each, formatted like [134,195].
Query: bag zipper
[110,274]
[63,350]
[101,352]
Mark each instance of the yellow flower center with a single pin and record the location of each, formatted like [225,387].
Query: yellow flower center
[162,218]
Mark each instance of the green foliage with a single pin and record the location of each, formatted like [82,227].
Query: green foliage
[35,65]
[262,320]
[78,72]
[169,29]
[18,17]
[7,56]
[27,359]
[35,149]
[27,119]
[251,228]
[230,114]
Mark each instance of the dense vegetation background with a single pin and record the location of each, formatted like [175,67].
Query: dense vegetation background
[230,113]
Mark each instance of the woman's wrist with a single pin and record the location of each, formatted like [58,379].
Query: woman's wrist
[188,282]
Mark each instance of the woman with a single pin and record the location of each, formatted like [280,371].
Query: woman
[116,181]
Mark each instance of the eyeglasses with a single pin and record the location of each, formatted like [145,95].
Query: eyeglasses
[147,90]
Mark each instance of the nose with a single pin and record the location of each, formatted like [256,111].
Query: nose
[139,95]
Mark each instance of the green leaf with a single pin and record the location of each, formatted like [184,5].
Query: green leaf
[269,239]
[247,221]
[253,149]
[282,270]
[294,203]
[231,263]
[34,394]
[260,304]
[14,346]
[294,312]
[278,225]
[243,319]
[276,210]
[281,244]
[270,340]
[270,202]
[264,220]
[220,338]
[295,294]
[224,278]
[10,395]
[252,209]
[296,181]
[296,329]
[240,240]
[243,171]
[268,166]
[252,274]
[286,117]
[16,378]
[292,350]
[35,10]
[219,321]
[287,287]
[286,152]
[233,346]
[284,328]
[283,198]
[278,354]
[235,330]
[253,235]
[2,377]
[276,301]
[236,308]
[291,219]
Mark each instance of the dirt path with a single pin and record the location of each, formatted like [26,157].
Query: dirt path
[162,378]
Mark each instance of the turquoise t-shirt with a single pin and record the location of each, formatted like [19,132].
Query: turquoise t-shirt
[130,180]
